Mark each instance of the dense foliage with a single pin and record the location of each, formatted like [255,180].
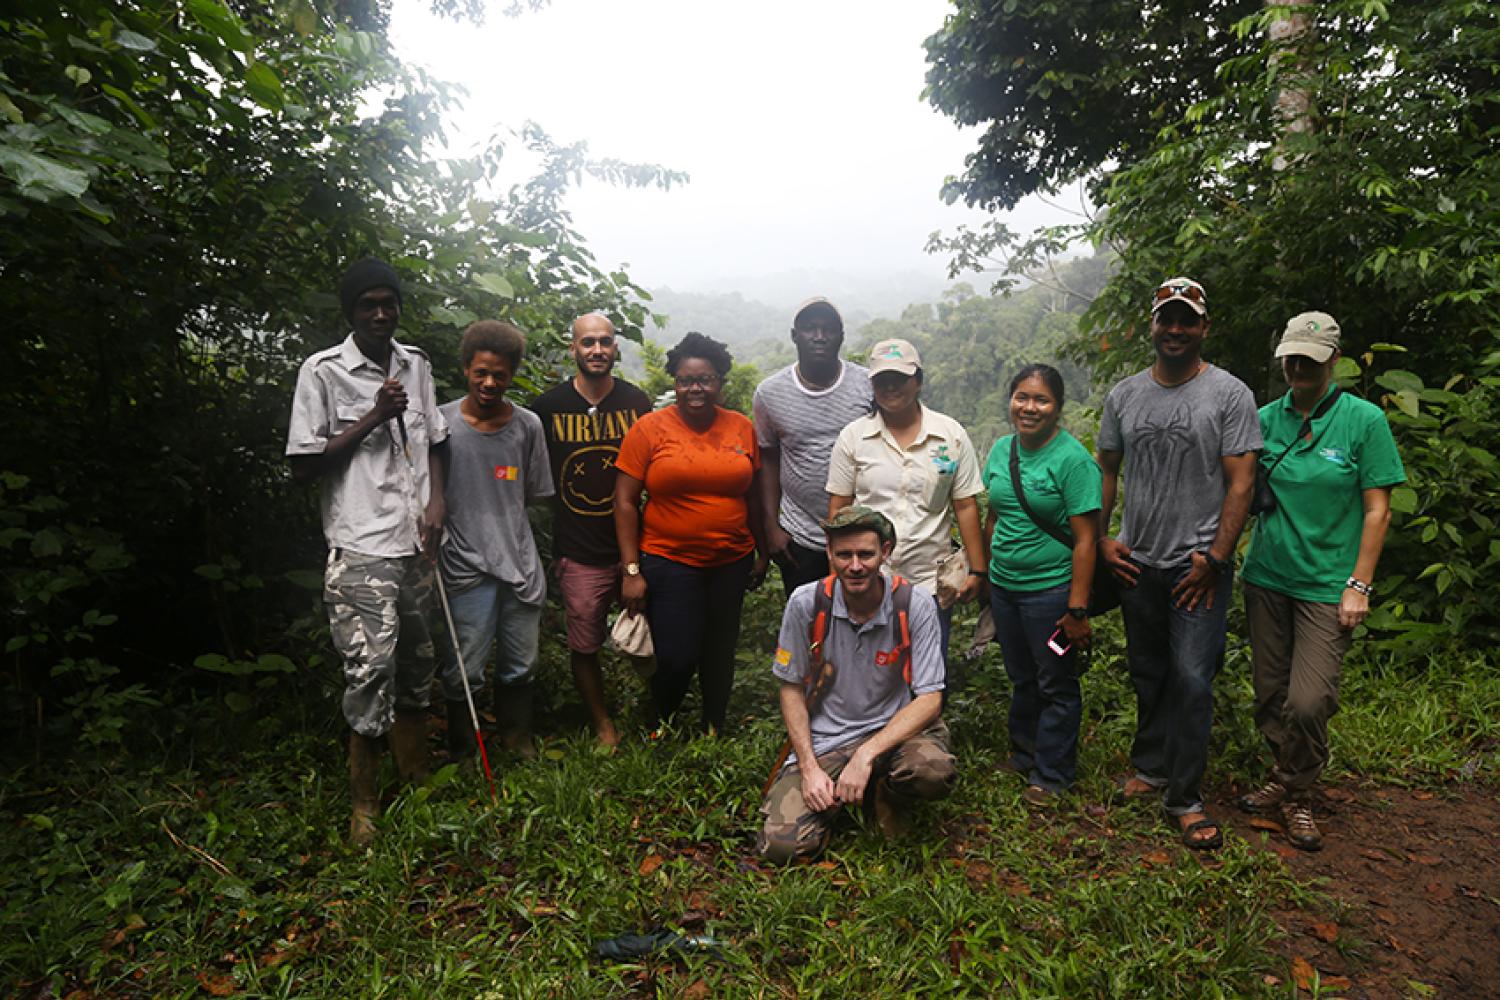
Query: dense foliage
[1380,204]
[181,184]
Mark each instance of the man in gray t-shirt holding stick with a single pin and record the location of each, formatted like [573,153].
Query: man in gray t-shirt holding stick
[1187,434]
[799,412]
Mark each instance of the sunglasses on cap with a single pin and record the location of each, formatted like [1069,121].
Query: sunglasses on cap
[1180,290]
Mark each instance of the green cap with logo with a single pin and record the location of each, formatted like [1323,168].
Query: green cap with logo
[1311,334]
[860,518]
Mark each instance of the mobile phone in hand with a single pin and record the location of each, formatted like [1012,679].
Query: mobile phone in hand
[1058,647]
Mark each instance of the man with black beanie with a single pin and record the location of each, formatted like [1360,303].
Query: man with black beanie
[365,424]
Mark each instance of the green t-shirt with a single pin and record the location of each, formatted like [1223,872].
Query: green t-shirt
[1306,547]
[1061,480]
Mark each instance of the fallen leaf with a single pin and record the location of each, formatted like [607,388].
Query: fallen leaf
[649,864]
[1339,795]
[219,986]
[1303,973]
[1430,860]
[1334,983]
[1271,980]
[1438,892]
[1374,855]
[1326,931]
[1284,851]
[274,957]
[1422,796]
[1386,917]
[827,866]
[1156,858]
[697,991]
[1261,823]
[543,910]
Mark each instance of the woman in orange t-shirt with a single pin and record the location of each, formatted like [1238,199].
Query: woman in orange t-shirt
[689,557]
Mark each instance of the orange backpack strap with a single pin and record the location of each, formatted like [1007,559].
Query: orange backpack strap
[901,604]
[818,629]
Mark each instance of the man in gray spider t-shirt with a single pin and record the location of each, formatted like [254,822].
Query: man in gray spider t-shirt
[1187,434]
[799,412]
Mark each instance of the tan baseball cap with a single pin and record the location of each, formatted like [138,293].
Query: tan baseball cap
[1311,334]
[819,304]
[894,356]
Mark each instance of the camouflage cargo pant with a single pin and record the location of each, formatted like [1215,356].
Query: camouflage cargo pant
[377,611]
[921,768]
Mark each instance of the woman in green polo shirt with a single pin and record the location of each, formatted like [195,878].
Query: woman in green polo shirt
[1040,569]
[1309,574]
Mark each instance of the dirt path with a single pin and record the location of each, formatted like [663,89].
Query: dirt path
[1416,877]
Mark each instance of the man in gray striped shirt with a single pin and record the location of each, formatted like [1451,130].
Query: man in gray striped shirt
[799,412]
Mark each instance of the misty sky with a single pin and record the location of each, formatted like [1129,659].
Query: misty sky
[801,124]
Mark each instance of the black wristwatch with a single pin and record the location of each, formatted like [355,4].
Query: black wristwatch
[1220,566]
[1079,613]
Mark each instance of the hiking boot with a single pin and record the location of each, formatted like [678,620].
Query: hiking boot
[460,733]
[408,740]
[1297,817]
[513,714]
[1036,795]
[1264,799]
[364,793]
[890,818]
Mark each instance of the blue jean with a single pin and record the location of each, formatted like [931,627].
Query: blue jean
[1173,656]
[489,612]
[1045,703]
[694,613]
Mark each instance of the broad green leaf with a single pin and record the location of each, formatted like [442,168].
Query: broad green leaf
[32,172]
[1408,402]
[212,661]
[1398,379]
[239,702]
[9,110]
[304,18]
[264,86]
[92,124]
[1346,369]
[275,662]
[80,75]
[135,42]
[495,284]
[210,571]
[220,22]
[46,543]
[1404,500]
[130,105]
[15,642]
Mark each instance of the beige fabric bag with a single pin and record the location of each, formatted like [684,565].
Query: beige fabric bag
[952,574]
[631,635]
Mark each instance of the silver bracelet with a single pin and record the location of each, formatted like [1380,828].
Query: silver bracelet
[1359,587]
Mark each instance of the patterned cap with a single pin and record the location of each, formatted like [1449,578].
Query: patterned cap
[861,518]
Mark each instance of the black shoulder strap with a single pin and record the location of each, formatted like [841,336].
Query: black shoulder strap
[1306,427]
[1065,537]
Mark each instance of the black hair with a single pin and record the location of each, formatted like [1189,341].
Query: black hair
[1050,376]
[696,345]
[493,336]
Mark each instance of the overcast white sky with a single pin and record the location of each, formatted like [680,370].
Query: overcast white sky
[801,124]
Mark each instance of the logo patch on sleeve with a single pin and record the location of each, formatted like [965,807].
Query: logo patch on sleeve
[783,656]
[509,473]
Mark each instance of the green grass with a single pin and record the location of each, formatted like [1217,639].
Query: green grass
[147,875]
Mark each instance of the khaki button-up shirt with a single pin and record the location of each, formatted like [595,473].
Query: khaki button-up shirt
[914,486]
[372,505]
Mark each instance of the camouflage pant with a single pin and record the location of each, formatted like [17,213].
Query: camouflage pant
[920,768]
[377,611]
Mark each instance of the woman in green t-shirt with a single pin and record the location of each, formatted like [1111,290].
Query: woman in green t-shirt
[1041,565]
[1331,462]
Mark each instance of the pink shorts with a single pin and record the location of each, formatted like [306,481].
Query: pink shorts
[588,592]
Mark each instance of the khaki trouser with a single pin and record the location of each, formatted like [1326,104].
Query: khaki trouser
[920,768]
[1296,649]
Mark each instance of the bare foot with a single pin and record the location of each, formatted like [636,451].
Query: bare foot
[1136,787]
[606,734]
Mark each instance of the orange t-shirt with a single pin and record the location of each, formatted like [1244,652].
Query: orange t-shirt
[697,485]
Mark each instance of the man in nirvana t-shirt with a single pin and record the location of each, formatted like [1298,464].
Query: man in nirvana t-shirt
[584,418]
